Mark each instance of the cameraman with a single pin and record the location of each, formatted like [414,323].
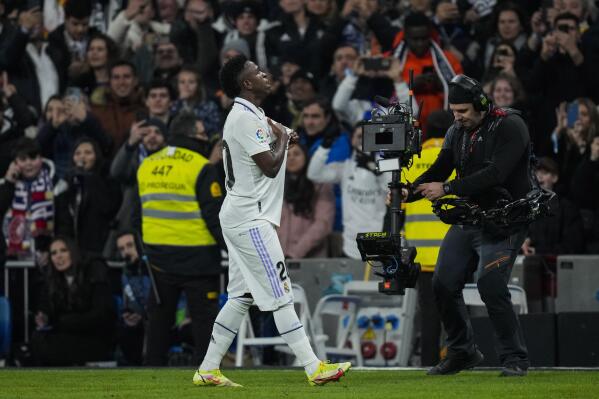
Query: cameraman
[489,149]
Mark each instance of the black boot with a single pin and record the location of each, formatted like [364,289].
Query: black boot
[455,364]
[513,370]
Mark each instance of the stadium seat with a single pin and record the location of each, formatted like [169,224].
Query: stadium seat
[247,338]
[472,297]
[344,308]
[5,327]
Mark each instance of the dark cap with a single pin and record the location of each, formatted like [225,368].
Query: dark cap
[303,74]
[245,6]
[157,123]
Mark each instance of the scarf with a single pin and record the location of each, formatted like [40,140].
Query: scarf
[440,62]
[32,211]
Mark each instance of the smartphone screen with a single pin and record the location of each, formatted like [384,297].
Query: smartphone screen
[572,114]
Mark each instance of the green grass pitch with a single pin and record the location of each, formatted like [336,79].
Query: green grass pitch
[278,383]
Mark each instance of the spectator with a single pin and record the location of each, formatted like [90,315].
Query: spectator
[248,26]
[136,285]
[559,234]
[67,120]
[118,105]
[572,137]
[509,24]
[145,138]
[192,96]
[168,10]
[69,41]
[298,33]
[100,54]
[75,320]
[325,10]
[85,210]
[351,106]
[344,59]
[15,118]
[558,75]
[506,91]
[503,60]
[363,192]
[417,50]
[584,191]
[159,100]
[26,204]
[302,89]
[134,27]
[167,61]
[32,68]
[197,41]
[308,210]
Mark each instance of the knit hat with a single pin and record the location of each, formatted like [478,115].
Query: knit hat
[239,45]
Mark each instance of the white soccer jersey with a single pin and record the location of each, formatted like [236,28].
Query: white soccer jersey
[251,195]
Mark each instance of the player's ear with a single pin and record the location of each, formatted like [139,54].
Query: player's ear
[246,84]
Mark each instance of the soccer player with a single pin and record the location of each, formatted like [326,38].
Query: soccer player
[254,150]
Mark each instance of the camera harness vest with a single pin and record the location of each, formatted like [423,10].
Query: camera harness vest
[508,214]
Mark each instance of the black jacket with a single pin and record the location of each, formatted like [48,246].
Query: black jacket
[497,166]
[199,260]
[561,233]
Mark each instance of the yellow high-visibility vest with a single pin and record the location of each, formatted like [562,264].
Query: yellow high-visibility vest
[171,214]
[423,229]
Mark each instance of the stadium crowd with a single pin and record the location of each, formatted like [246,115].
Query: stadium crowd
[88,89]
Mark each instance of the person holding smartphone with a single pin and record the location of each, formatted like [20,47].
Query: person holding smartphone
[26,198]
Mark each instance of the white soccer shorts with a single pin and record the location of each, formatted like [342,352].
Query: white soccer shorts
[257,265]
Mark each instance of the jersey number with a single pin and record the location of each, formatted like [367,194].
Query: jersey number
[282,272]
[163,170]
[228,166]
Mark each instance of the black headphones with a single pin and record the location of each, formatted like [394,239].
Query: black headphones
[479,99]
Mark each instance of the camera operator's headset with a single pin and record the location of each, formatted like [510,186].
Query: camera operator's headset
[480,101]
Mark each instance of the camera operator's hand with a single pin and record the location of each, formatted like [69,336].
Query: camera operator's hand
[431,191]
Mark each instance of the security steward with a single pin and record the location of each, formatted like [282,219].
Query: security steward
[180,199]
[489,148]
[424,230]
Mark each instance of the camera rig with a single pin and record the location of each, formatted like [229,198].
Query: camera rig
[394,133]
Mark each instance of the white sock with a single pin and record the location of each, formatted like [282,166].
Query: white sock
[294,335]
[224,331]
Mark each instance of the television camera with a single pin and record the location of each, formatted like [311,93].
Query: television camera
[394,133]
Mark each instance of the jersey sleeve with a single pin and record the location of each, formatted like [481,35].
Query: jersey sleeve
[253,137]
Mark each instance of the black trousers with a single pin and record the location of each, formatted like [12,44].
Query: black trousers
[465,250]
[430,321]
[202,311]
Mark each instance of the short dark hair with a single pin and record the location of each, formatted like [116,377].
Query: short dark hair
[417,19]
[120,63]
[79,9]
[548,165]
[161,84]
[565,16]
[323,102]
[229,75]
[184,124]
[26,147]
